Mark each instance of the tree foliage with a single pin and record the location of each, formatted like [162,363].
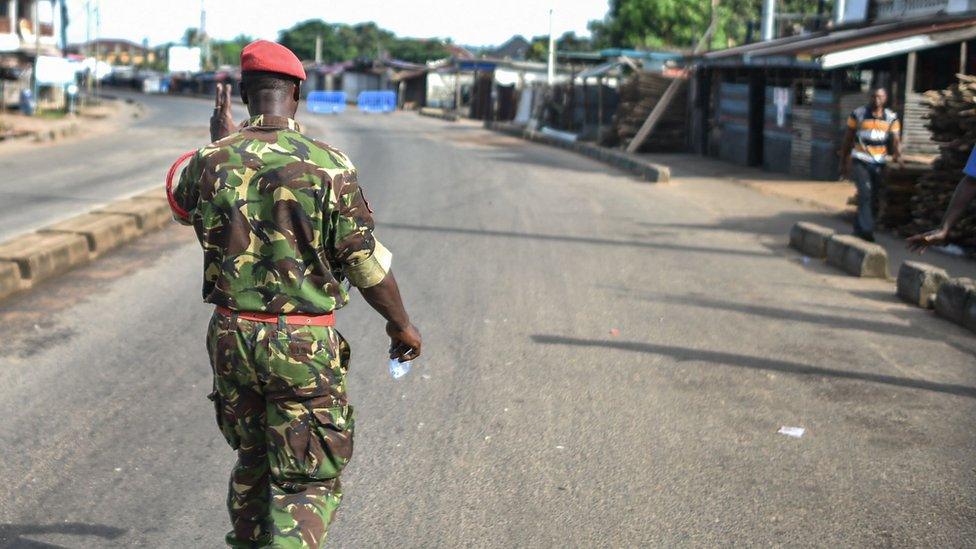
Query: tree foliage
[228,52]
[539,46]
[342,42]
[679,24]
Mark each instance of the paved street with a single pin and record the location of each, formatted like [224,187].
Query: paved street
[49,183]
[607,363]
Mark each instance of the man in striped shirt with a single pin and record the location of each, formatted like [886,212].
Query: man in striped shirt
[872,134]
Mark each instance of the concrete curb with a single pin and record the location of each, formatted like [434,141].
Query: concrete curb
[438,113]
[919,283]
[810,239]
[53,250]
[857,257]
[10,281]
[956,301]
[649,171]
[149,212]
[102,231]
[41,256]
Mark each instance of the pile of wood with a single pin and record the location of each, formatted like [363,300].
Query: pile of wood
[899,189]
[638,96]
[952,121]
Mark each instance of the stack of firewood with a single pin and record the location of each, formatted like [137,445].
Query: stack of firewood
[900,187]
[638,96]
[952,121]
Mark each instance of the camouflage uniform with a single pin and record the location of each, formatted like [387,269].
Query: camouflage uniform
[282,222]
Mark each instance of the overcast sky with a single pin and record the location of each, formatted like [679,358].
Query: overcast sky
[470,22]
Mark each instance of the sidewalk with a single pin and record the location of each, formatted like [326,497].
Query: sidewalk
[17,130]
[828,195]
[827,201]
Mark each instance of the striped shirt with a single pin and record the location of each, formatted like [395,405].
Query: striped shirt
[872,133]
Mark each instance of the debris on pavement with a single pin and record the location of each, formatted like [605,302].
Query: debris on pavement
[795,432]
[614,332]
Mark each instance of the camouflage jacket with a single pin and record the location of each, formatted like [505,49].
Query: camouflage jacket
[281,219]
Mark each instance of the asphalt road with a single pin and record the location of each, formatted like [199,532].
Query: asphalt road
[607,364]
[48,183]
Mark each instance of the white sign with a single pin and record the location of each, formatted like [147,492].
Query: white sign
[55,71]
[184,59]
[781,98]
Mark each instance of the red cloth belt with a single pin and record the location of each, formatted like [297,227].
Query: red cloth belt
[292,319]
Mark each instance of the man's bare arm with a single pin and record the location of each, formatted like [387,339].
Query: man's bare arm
[965,193]
[845,153]
[896,143]
[405,340]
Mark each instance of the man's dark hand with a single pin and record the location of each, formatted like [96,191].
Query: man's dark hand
[845,169]
[405,342]
[222,121]
[921,242]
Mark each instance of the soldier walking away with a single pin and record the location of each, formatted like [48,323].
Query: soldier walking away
[872,134]
[283,222]
[964,195]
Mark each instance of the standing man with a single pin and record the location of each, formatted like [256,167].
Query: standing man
[283,222]
[872,134]
[964,195]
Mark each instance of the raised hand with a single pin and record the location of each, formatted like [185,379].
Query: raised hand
[222,121]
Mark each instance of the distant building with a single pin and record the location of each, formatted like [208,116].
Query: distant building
[782,104]
[21,43]
[516,49]
[116,52]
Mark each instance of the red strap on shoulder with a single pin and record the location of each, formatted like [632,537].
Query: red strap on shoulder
[180,212]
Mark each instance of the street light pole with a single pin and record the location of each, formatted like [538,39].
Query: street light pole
[552,53]
[35,88]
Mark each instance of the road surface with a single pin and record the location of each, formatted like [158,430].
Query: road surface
[607,363]
[48,183]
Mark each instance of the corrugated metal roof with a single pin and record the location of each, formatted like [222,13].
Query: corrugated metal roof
[842,47]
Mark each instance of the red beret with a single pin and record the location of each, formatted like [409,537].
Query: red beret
[262,55]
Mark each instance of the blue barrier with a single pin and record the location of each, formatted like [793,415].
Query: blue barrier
[377,101]
[332,102]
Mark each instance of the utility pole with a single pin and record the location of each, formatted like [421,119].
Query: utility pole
[318,49]
[35,89]
[98,34]
[204,39]
[769,20]
[551,76]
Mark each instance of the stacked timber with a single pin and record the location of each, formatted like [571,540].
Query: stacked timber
[638,96]
[899,189]
[952,121]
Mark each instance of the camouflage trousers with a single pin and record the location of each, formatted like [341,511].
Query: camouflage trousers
[280,399]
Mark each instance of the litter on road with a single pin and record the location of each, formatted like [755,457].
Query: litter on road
[795,432]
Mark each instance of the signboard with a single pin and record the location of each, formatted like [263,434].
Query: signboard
[476,66]
[781,98]
[184,59]
[55,71]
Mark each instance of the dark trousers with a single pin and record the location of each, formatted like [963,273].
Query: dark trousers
[867,177]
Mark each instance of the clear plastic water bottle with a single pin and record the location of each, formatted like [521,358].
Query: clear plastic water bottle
[399,369]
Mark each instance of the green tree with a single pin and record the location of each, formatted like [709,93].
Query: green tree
[228,52]
[191,37]
[680,23]
[301,38]
[342,42]
[539,46]
[418,51]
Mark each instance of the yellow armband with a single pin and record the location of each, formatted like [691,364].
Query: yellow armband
[372,270]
